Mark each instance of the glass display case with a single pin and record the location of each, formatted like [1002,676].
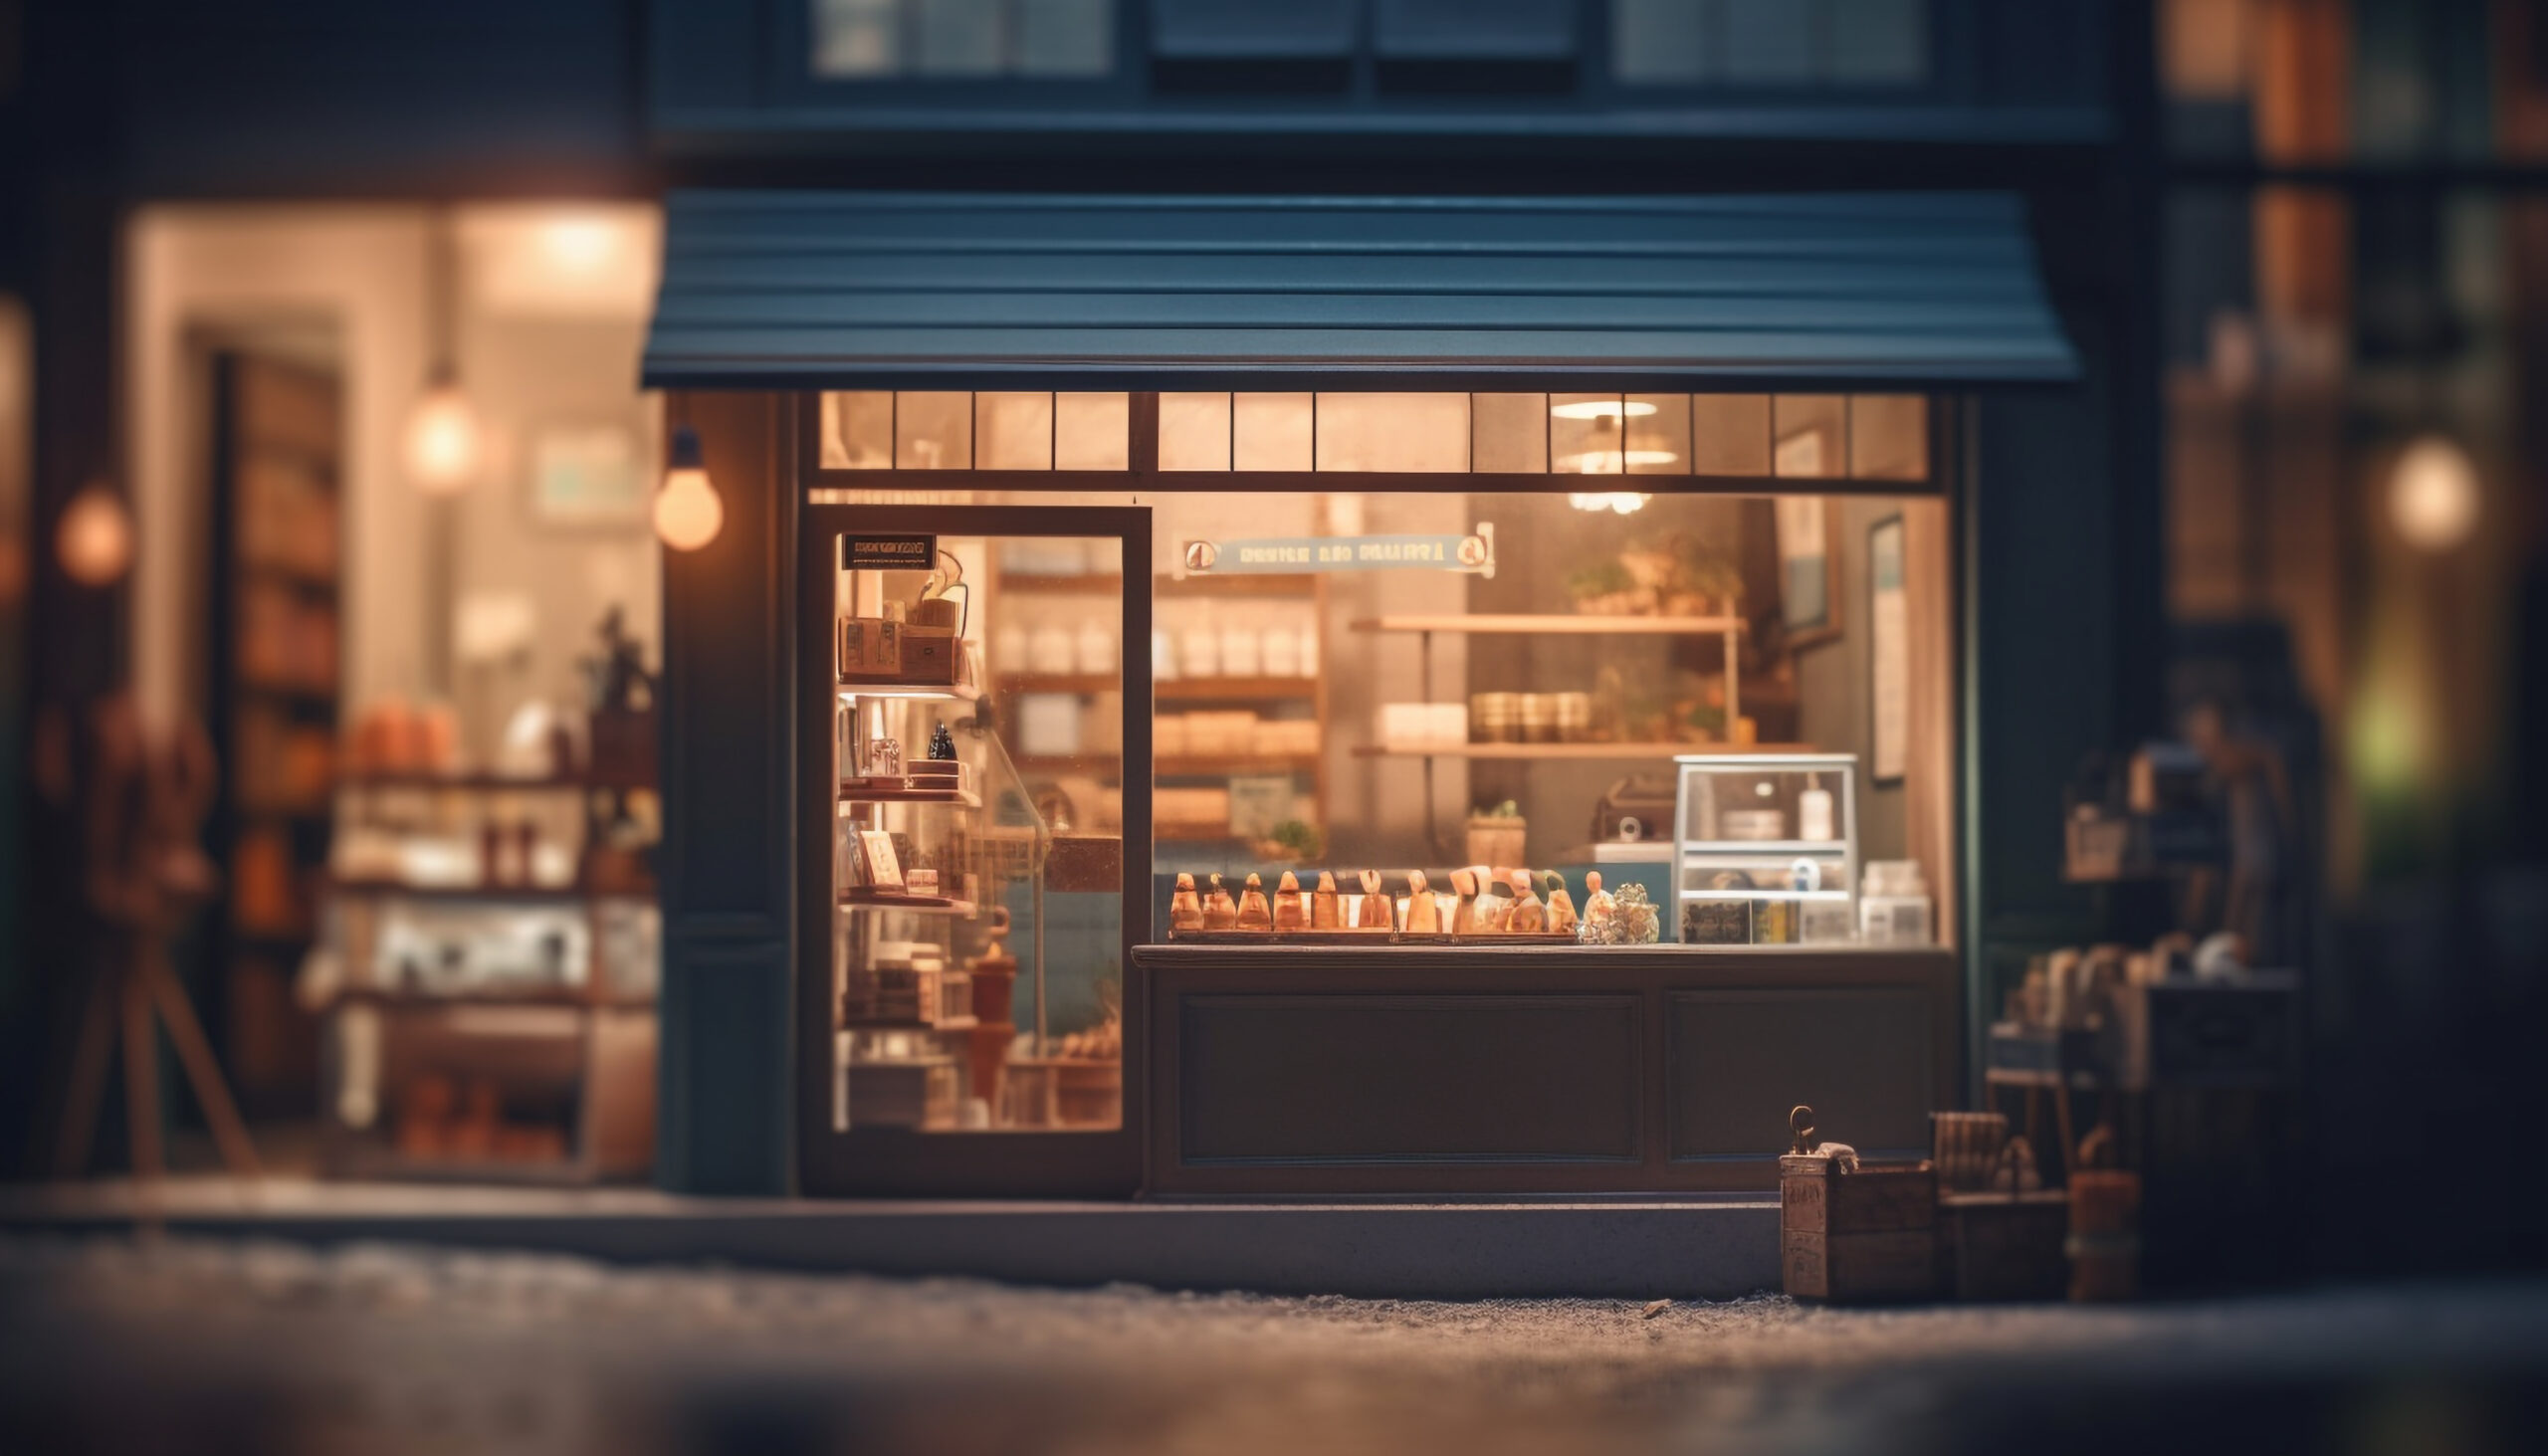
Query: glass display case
[976,911]
[1766,849]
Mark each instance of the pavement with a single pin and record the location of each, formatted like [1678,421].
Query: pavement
[180,1344]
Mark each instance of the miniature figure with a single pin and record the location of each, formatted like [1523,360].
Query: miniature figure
[1253,914]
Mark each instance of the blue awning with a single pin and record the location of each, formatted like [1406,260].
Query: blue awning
[954,291]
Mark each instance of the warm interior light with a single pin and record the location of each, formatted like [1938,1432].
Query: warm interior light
[579,243]
[1619,502]
[688,514]
[1600,409]
[1607,461]
[2433,494]
[442,438]
[93,539]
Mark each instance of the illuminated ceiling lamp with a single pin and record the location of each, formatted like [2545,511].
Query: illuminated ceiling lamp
[688,514]
[443,442]
[1608,415]
[2433,494]
[93,539]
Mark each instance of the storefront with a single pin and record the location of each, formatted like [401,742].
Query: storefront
[1229,751]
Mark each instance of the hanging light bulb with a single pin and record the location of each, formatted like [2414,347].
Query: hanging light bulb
[688,514]
[1622,502]
[93,539]
[2433,494]
[442,437]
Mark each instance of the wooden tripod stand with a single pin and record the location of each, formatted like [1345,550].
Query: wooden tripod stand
[140,810]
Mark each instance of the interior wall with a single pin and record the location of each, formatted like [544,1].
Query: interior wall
[551,319]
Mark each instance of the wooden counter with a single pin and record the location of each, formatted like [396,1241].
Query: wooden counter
[1320,1072]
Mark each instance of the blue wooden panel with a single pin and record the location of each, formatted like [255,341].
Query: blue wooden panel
[1252,30]
[1532,30]
[990,289]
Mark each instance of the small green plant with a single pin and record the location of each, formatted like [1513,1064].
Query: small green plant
[1299,838]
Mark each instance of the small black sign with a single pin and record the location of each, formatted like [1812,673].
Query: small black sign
[888,553]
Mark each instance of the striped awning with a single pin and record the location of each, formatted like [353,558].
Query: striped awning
[957,291]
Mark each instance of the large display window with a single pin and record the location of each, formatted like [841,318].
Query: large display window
[1153,724]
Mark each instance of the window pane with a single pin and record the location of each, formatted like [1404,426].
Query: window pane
[1064,38]
[1194,432]
[858,429]
[1658,434]
[1879,42]
[1092,431]
[1729,434]
[958,37]
[1271,431]
[1509,433]
[1657,41]
[934,430]
[1811,431]
[1889,437]
[1393,432]
[856,37]
[1767,42]
[1014,431]
[1583,434]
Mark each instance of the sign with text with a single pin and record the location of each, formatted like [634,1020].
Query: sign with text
[1475,552]
[888,553]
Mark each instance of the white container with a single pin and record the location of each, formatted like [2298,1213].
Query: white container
[1895,908]
[1096,650]
[1449,725]
[1309,652]
[1163,661]
[1813,815]
[1242,653]
[1282,653]
[1051,649]
[1202,651]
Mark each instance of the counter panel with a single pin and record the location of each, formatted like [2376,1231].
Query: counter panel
[1460,1072]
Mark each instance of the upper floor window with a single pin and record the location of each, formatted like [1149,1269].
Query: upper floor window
[878,40]
[1769,43]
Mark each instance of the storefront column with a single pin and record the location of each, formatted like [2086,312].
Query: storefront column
[728,705]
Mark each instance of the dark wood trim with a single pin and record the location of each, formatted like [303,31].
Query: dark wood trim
[1176,976]
[885,1160]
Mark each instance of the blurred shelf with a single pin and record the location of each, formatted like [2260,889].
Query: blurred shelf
[1093,583]
[917,904]
[1553,624]
[1215,689]
[912,692]
[1204,766]
[902,1024]
[1714,847]
[429,780]
[1081,684]
[1571,750]
[961,798]
[492,894]
[567,996]
[1254,583]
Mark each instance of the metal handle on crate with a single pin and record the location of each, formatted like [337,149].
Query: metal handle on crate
[1801,1123]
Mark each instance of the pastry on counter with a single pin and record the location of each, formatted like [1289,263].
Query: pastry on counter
[1526,914]
[1185,908]
[1326,911]
[1253,912]
[1562,919]
[1289,913]
[1464,908]
[1424,915]
[1220,913]
[1373,913]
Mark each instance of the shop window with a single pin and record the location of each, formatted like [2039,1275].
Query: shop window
[1874,436]
[1769,43]
[959,39]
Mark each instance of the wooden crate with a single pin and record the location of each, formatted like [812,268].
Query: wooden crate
[1857,1237]
[1999,1247]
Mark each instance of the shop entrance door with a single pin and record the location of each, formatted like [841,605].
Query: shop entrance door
[975,686]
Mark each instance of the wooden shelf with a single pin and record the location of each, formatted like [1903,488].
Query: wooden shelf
[1571,750]
[903,1023]
[1081,684]
[1094,584]
[494,894]
[918,904]
[464,783]
[401,998]
[1554,624]
[1192,765]
[1232,690]
[962,798]
[916,692]
[1251,583]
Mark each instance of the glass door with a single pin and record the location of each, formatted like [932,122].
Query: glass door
[973,869]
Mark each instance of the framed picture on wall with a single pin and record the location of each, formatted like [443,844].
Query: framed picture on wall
[1809,603]
[1888,654]
[587,474]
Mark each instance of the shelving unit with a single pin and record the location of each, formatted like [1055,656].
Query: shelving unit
[1522,751]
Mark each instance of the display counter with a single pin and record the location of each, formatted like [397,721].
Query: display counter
[1411,1070]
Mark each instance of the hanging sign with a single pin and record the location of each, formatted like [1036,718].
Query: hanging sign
[888,553]
[1474,553]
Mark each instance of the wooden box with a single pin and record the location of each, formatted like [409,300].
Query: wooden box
[1861,1236]
[2001,1247]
